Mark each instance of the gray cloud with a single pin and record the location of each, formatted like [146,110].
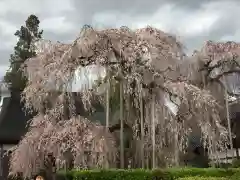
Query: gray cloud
[134,7]
[193,21]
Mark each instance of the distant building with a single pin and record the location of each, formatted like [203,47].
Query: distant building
[13,124]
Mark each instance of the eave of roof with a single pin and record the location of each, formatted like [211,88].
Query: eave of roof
[13,120]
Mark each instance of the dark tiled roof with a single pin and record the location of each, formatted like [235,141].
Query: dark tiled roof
[13,120]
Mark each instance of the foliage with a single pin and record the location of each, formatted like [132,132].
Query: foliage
[147,64]
[202,172]
[140,174]
[73,133]
[204,178]
[27,35]
[236,163]
[236,176]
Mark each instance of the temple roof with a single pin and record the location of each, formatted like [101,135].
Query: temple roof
[13,120]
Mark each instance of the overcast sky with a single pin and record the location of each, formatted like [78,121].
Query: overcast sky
[193,21]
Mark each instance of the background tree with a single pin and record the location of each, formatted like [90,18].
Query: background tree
[27,35]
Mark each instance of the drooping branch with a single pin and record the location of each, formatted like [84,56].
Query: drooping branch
[133,58]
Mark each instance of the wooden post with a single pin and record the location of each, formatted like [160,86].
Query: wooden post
[107,100]
[226,156]
[107,109]
[148,153]
[153,131]
[142,129]
[121,126]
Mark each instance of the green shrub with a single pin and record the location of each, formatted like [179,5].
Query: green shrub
[120,175]
[236,176]
[202,172]
[223,165]
[140,174]
[204,178]
[236,163]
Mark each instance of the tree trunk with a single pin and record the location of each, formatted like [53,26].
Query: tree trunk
[176,148]
[237,153]
[66,111]
[228,119]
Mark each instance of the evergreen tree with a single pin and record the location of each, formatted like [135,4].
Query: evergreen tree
[23,50]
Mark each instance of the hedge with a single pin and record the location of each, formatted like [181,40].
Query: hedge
[140,174]
[236,176]
[204,178]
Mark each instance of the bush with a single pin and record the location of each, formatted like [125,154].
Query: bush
[236,176]
[202,172]
[204,178]
[223,165]
[140,174]
[236,163]
[115,175]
